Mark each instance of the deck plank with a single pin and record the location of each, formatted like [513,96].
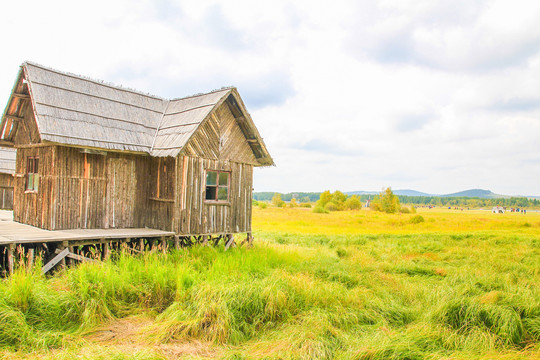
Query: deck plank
[12,232]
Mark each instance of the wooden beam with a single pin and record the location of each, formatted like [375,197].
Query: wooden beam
[21,96]
[75,256]
[6,143]
[14,117]
[61,256]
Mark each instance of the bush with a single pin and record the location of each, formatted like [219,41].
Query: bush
[263,205]
[293,203]
[319,210]
[305,205]
[353,203]
[331,207]
[276,200]
[416,219]
[405,210]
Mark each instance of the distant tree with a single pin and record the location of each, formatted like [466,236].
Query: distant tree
[276,200]
[386,201]
[353,202]
[324,199]
[293,203]
[338,197]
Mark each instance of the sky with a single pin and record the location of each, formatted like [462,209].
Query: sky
[436,96]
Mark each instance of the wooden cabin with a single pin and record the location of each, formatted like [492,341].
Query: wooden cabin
[94,155]
[7,169]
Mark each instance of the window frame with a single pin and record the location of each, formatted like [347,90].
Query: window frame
[217,186]
[33,186]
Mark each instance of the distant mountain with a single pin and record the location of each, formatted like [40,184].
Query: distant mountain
[362,192]
[476,193]
[411,193]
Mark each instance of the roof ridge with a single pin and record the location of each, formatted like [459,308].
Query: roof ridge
[224,88]
[95,81]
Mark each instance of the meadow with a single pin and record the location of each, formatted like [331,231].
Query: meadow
[344,285]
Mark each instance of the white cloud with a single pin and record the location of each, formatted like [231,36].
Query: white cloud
[437,96]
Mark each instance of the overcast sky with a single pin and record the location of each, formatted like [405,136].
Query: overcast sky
[437,96]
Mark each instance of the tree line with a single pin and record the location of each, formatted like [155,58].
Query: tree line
[469,202]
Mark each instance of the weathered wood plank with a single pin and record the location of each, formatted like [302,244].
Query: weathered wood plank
[61,256]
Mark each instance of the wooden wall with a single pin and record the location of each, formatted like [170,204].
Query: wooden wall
[220,137]
[6,191]
[194,216]
[35,208]
[161,204]
[82,190]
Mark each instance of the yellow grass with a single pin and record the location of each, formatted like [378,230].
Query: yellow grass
[365,221]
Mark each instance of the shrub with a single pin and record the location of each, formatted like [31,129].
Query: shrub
[293,203]
[416,219]
[305,205]
[276,200]
[319,210]
[405,210]
[263,205]
[353,203]
[331,207]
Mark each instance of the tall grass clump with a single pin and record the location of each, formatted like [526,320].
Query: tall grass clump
[465,315]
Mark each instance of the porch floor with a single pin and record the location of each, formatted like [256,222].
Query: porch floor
[12,232]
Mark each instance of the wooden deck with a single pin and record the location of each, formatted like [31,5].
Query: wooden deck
[12,232]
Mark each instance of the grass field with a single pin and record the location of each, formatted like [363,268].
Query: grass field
[344,285]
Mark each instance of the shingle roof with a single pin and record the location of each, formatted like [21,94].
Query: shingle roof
[74,110]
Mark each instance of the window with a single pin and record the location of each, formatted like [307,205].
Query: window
[32,178]
[217,186]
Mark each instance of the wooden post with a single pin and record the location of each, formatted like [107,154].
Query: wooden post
[141,245]
[10,260]
[229,241]
[70,262]
[204,240]
[176,242]
[29,259]
[63,260]
[164,243]
[106,250]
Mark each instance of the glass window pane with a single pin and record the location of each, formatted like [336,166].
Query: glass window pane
[36,182]
[223,193]
[29,166]
[223,178]
[211,193]
[36,161]
[30,182]
[211,178]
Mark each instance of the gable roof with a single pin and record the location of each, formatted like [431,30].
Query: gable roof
[7,160]
[78,111]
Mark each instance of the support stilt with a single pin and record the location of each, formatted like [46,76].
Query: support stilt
[30,259]
[230,241]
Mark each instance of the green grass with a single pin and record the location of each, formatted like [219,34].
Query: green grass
[294,295]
